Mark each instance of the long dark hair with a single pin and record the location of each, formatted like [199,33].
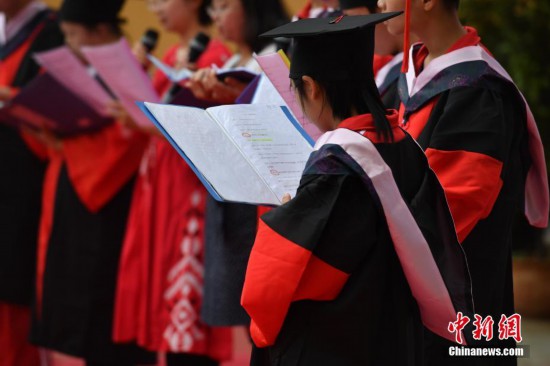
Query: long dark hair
[261,16]
[204,18]
[115,26]
[349,97]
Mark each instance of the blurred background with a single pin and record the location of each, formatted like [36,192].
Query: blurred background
[517,32]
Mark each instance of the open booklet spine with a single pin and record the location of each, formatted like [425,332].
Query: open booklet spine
[201,177]
[296,125]
[226,133]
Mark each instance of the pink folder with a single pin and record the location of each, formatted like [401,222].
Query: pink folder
[276,68]
[124,75]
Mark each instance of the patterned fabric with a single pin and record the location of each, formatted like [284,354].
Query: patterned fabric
[183,294]
[160,281]
[474,74]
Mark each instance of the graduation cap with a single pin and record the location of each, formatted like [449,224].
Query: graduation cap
[341,48]
[338,49]
[91,12]
[350,4]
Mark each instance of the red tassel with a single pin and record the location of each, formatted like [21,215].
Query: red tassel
[406,36]
[304,13]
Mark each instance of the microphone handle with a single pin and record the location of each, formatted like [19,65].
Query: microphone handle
[171,93]
[194,54]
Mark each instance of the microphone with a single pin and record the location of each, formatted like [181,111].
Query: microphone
[150,39]
[197,46]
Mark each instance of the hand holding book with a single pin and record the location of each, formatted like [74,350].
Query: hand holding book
[242,153]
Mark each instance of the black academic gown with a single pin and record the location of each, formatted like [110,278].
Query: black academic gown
[22,171]
[89,185]
[388,88]
[490,121]
[476,136]
[229,235]
[77,307]
[352,304]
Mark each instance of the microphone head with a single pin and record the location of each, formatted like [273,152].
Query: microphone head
[150,39]
[198,46]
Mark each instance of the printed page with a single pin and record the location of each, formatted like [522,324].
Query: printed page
[266,93]
[69,71]
[269,140]
[172,74]
[239,73]
[204,142]
[126,78]
[276,69]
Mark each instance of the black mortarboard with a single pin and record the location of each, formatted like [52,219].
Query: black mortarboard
[90,11]
[332,49]
[337,49]
[350,4]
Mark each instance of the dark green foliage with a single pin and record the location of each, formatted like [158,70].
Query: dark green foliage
[517,32]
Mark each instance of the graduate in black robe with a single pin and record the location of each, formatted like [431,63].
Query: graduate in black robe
[21,171]
[349,270]
[21,168]
[482,142]
[87,195]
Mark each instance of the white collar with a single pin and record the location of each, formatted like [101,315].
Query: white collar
[9,29]
[384,71]
[537,200]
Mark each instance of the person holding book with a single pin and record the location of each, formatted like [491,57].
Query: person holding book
[26,26]
[160,281]
[231,20]
[231,227]
[86,197]
[482,142]
[348,270]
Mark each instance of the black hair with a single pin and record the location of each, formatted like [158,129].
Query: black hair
[451,4]
[371,5]
[349,97]
[115,26]
[261,16]
[204,18]
[373,9]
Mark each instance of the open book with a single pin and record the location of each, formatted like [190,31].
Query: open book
[177,75]
[242,153]
[174,75]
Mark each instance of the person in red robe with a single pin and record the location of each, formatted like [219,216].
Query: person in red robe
[26,27]
[482,142]
[86,198]
[160,281]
